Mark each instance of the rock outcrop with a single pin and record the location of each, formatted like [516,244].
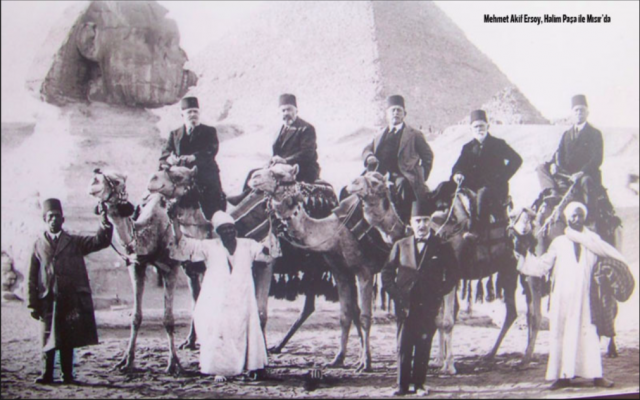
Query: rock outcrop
[120,53]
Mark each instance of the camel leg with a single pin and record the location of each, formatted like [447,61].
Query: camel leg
[262,280]
[612,351]
[510,284]
[534,317]
[346,309]
[445,322]
[194,286]
[365,290]
[137,274]
[170,279]
[307,310]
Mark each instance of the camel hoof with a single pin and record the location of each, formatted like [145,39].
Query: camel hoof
[448,370]
[338,362]
[612,354]
[364,369]
[275,350]
[188,345]
[174,368]
[488,358]
[125,365]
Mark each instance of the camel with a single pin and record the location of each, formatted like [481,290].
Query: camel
[252,221]
[341,249]
[145,243]
[538,226]
[380,213]
[176,184]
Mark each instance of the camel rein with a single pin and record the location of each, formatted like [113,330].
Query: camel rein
[557,208]
[453,202]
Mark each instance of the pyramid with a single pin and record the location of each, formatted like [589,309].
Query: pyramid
[342,59]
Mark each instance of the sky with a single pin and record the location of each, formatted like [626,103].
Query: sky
[549,62]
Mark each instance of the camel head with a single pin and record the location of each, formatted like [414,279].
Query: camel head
[370,185]
[522,221]
[289,210]
[267,179]
[173,182]
[108,186]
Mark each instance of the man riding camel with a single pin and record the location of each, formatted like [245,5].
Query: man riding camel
[403,152]
[577,159]
[295,144]
[486,164]
[197,144]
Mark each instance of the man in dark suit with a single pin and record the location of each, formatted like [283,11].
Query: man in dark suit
[197,144]
[485,166]
[59,292]
[421,269]
[403,152]
[579,155]
[296,142]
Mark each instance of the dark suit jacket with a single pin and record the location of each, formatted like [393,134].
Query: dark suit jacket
[58,274]
[415,157]
[582,154]
[298,146]
[491,167]
[437,274]
[203,143]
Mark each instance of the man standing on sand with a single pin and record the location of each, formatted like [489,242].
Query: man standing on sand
[59,290]
[421,269]
[574,349]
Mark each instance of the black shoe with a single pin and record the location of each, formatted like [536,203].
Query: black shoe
[560,384]
[401,392]
[44,380]
[69,380]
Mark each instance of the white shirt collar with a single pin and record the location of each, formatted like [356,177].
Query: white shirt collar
[581,126]
[397,127]
[53,235]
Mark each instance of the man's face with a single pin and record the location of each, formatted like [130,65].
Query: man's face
[479,129]
[191,117]
[54,221]
[289,114]
[580,114]
[395,115]
[227,232]
[420,226]
[576,219]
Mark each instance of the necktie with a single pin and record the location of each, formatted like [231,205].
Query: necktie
[190,131]
[393,131]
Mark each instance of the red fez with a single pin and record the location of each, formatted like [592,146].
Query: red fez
[579,100]
[422,208]
[288,100]
[478,115]
[51,205]
[395,100]
[189,102]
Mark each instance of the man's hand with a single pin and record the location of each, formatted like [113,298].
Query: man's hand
[372,163]
[277,160]
[553,168]
[172,160]
[577,176]
[104,219]
[458,178]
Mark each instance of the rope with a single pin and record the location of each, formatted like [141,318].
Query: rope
[453,202]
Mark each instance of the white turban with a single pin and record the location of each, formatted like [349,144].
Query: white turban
[571,207]
[220,218]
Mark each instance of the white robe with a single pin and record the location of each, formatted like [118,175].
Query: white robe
[226,312]
[574,348]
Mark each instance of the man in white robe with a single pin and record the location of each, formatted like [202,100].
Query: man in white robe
[226,313]
[574,349]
